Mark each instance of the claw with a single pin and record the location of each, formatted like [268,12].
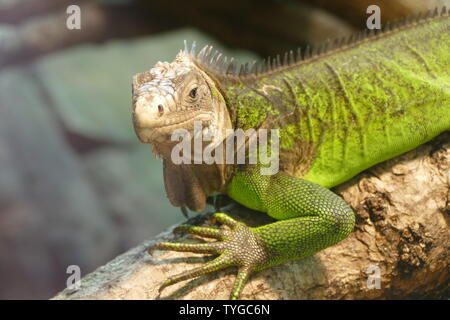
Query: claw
[236,247]
[185,212]
[239,283]
[219,263]
[200,231]
[226,220]
[213,247]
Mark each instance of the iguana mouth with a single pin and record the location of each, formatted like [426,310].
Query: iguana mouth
[160,130]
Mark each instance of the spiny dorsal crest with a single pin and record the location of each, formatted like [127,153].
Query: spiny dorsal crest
[214,62]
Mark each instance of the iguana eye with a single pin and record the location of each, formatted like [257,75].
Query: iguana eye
[193,93]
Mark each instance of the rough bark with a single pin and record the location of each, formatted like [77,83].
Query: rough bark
[402,209]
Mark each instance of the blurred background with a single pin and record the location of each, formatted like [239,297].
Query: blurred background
[76,186]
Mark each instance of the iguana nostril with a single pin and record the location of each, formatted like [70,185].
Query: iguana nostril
[160,110]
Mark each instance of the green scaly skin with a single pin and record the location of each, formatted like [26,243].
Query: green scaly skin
[339,113]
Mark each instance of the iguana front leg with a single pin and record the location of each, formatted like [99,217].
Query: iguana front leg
[311,217]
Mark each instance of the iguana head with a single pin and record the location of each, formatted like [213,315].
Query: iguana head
[179,95]
[173,96]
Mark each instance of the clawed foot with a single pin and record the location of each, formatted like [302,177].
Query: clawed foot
[237,246]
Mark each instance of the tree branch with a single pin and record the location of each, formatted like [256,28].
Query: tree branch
[402,208]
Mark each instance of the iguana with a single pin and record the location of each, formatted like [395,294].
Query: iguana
[339,110]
